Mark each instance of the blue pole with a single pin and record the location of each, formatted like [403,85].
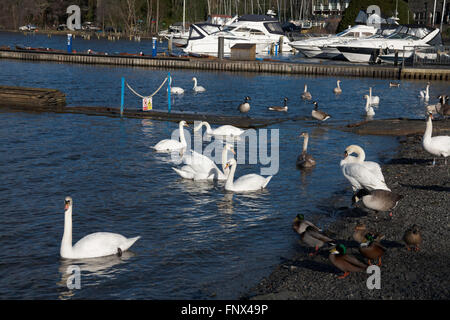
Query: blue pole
[168,92]
[122,95]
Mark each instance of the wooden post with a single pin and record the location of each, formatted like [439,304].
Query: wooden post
[280,44]
[221,44]
[169,43]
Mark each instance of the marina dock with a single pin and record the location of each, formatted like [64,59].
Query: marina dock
[214,64]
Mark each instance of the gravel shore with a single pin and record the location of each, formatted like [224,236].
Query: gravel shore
[404,274]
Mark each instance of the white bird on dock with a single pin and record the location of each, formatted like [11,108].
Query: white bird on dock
[425,94]
[246,183]
[306,95]
[362,174]
[197,88]
[338,89]
[98,244]
[369,109]
[225,130]
[175,90]
[171,144]
[438,146]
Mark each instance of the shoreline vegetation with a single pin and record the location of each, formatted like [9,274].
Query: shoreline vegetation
[405,274]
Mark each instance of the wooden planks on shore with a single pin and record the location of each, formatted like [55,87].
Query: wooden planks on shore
[32,97]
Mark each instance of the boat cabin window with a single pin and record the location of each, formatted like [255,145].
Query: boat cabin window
[367,34]
[274,27]
[194,34]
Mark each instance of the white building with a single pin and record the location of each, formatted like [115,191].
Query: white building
[329,7]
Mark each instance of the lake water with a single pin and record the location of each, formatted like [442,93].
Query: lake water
[198,241]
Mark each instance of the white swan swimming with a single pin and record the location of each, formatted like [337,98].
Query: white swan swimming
[369,109]
[362,174]
[373,99]
[200,167]
[438,146]
[425,94]
[248,182]
[170,144]
[175,90]
[197,88]
[306,95]
[225,130]
[94,245]
[338,89]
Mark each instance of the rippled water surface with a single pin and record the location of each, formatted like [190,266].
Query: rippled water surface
[198,241]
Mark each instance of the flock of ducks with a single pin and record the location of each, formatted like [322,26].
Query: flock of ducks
[365,177]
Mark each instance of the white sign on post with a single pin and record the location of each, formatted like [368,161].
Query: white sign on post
[74,20]
[147,104]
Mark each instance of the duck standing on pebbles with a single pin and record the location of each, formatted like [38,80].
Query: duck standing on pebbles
[318,114]
[378,200]
[345,262]
[412,237]
[372,249]
[300,224]
[310,234]
[360,232]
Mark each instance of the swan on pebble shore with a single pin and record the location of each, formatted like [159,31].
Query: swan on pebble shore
[438,146]
[98,244]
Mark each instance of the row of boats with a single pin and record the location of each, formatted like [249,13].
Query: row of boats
[358,43]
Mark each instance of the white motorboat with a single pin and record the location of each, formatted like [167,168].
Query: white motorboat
[261,30]
[402,41]
[323,47]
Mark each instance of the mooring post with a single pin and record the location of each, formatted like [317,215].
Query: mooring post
[122,95]
[168,92]
[220,51]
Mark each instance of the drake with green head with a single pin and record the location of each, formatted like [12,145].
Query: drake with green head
[371,249]
[345,262]
[360,232]
[300,224]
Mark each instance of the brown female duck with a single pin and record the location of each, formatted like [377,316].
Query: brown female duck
[412,237]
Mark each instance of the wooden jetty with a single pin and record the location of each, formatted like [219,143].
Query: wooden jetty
[30,98]
[266,65]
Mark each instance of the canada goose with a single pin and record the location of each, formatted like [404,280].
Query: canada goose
[444,109]
[412,237]
[279,108]
[378,200]
[197,88]
[338,89]
[394,84]
[245,106]
[306,95]
[305,160]
[438,145]
[319,115]
[345,262]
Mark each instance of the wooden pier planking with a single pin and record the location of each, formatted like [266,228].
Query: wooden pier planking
[268,65]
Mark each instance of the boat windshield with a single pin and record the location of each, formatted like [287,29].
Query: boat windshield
[274,27]
[405,32]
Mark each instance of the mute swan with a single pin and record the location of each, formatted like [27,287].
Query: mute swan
[200,167]
[306,95]
[225,130]
[437,146]
[245,106]
[197,88]
[360,174]
[170,144]
[94,245]
[338,88]
[378,200]
[319,115]
[373,99]
[305,160]
[248,182]
[279,108]
[425,94]
[394,84]
[175,90]
[369,109]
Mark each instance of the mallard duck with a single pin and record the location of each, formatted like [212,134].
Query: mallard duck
[314,238]
[345,262]
[305,160]
[378,200]
[300,224]
[412,237]
[372,249]
[318,114]
[360,231]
